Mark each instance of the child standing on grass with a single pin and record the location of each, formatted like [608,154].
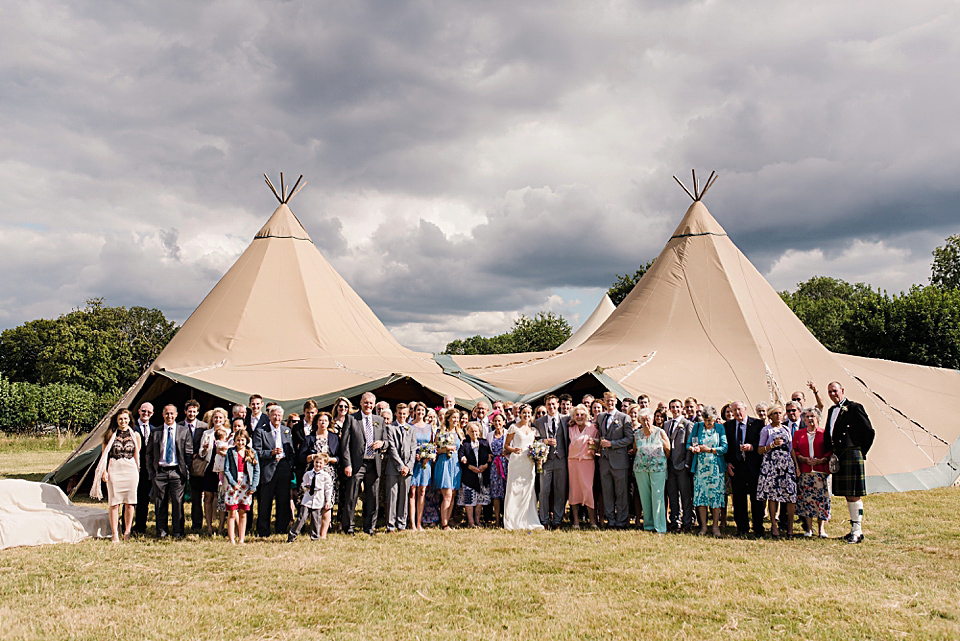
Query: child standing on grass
[241,472]
[317,502]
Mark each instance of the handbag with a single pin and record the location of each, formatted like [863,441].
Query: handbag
[834,464]
[199,466]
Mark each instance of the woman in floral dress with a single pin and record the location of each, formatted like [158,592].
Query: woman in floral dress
[498,472]
[778,475]
[708,442]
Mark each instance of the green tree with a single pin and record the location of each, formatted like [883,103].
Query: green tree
[97,347]
[543,332]
[945,270]
[824,305]
[625,284]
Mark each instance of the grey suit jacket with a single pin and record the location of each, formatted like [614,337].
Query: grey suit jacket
[678,429]
[183,444]
[616,427]
[354,442]
[558,452]
[402,449]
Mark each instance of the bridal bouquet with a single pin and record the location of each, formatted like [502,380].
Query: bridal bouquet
[426,452]
[446,439]
[538,452]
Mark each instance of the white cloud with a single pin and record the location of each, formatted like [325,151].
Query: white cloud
[873,263]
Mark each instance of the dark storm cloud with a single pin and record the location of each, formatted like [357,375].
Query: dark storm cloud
[465,158]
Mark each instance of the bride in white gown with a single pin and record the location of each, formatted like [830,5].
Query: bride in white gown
[520,502]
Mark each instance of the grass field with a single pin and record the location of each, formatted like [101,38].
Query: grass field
[903,582]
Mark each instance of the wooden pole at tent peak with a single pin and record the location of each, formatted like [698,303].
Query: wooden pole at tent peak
[273,189]
[684,187]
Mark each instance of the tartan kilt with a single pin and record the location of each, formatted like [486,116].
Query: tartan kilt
[851,480]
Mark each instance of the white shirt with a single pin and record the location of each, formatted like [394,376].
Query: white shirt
[277,440]
[835,414]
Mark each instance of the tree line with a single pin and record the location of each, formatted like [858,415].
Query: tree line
[69,371]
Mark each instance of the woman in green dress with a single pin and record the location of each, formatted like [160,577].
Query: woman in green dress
[708,442]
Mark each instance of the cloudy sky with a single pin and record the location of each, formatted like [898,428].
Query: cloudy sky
[467,162]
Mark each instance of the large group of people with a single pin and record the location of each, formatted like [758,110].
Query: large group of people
[607,460]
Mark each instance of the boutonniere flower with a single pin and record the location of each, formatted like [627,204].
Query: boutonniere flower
[843,408]
[286,431]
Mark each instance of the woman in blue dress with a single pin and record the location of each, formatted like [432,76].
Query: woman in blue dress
[422,470]
[446,473]
[708,442]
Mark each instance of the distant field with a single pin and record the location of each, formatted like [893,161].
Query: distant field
[904,582]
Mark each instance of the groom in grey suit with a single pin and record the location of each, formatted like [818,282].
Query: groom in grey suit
[679,480]
[397,470]
[616,437]
[552,430]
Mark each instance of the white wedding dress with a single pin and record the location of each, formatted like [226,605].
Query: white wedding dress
[520,502]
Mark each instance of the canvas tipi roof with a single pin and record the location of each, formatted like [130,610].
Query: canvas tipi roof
[603,310]
[704,322]
[284,324]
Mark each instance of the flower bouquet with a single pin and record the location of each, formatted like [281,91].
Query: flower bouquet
[426,452]
[538,452]
[447,439]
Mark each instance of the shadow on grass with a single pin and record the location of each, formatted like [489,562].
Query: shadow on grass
[37,477]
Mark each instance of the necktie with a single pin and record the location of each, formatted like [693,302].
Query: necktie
[168,455]
[368,433]
[740,431]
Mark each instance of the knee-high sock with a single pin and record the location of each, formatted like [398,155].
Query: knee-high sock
[856,515]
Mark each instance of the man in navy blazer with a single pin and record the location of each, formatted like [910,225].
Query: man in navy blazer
[616,437]
[552,430]
[274,448]
[256,418]
[743,464]
[144,428]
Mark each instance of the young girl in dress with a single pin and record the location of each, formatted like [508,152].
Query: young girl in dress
[241,472]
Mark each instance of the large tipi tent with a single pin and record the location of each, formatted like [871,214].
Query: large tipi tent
[284,324]
[602,312]
[704,322]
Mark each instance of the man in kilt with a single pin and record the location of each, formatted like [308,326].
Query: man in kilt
[849,434]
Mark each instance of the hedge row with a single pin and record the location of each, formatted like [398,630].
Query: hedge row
[29,407]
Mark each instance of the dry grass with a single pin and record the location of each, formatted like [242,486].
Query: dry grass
[902,583]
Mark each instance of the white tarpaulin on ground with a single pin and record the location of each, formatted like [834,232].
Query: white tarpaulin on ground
[39,513]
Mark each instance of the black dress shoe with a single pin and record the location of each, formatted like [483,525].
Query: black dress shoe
[853,538]
[369,532]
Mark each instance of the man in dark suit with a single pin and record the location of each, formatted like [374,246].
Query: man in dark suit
[398,469]
[274,447]
[196,428]
[743,464]
[849,434]
[616,437]
[363,445]
[256,418]
[169,457]
[679,480]
[144,428]
[552,430]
